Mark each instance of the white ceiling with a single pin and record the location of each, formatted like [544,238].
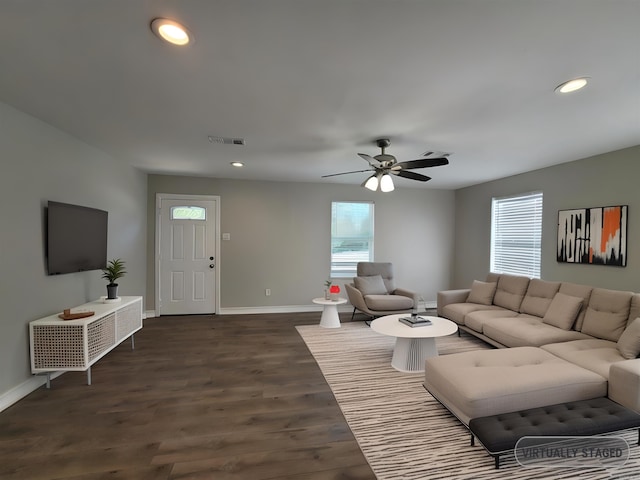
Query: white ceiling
[310,83]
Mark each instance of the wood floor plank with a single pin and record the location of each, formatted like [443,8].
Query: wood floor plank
[224,397]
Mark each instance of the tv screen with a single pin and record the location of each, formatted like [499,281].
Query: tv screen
[76,238]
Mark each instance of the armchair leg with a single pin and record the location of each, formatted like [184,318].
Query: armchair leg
[353,313]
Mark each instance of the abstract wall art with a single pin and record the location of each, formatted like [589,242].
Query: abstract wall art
[593,235]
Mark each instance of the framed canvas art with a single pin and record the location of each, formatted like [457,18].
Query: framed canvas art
[593,235]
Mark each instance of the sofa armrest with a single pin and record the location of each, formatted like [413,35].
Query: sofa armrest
[624,383]
[445,297]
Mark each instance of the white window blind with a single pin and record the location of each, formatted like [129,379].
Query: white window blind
[351,236]
[516,233]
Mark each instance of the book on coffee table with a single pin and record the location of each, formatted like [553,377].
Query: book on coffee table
[415,321]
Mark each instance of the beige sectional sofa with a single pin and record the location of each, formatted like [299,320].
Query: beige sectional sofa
[566,342]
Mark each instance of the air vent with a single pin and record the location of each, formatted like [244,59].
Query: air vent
[431,153]
[227,140]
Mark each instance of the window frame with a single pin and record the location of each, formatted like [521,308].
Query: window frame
[510,253]
[347,269]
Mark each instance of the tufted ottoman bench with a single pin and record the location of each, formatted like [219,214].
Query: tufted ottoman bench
[489,382]
[499,434]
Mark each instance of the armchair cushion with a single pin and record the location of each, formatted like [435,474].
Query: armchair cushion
[388,302]
[373,285]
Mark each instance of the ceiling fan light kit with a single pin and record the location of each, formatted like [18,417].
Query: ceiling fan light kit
[385,165]
[386,183]
[371,183]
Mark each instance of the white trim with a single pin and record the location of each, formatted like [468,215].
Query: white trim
[25,388]
[176,196]
[271,309]
[299,309]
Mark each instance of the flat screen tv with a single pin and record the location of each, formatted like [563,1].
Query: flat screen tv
[76,238]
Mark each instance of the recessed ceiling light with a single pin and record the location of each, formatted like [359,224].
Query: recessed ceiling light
[171,31]
[572,85]
[237,164]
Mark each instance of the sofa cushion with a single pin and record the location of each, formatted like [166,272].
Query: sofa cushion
[577,290]
[476,320]
[539,295]
[510,291]
[563,311]
[373,285]
[593,354]
[527,331]
[493,277]
[388,302]
[634,311]
[456,312]
[489,382]
[607,314]
[482,293]
[629,342]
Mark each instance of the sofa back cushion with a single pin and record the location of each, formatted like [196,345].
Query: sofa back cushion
[538,297]
[482,293]
[577,290]
[510,291]
[634,312]
[607,314]
[492,277]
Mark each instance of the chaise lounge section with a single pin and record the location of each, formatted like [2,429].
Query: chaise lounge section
[557,342]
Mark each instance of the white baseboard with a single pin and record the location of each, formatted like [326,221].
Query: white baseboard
[298,308]
[25,388]
[275,309]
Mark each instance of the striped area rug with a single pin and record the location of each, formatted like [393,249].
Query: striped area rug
[402,430]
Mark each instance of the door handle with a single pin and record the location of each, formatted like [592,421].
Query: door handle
[212,265]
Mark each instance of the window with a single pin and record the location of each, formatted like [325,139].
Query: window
[351,236]
[188,213]
[516,232]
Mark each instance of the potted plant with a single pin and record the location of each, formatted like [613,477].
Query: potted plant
[113,271]
[327,285]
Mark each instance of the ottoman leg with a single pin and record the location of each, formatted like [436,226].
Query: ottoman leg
[497,460]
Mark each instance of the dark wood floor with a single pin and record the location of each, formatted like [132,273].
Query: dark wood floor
[201,397]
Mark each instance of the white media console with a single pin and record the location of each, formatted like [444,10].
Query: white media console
[75,345]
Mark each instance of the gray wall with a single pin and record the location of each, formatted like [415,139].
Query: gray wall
[280,236]
[40,163]
[602,180]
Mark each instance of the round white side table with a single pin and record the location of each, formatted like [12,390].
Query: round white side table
[330,318]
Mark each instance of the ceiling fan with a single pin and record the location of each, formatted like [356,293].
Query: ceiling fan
[385,165]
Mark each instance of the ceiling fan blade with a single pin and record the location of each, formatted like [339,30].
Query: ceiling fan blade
[372,161]
[422,163]
[412,175]
[345,173]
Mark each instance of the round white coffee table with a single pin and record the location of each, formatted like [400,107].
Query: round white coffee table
[329,318]
[413,344]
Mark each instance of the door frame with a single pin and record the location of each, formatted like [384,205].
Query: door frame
[176,196]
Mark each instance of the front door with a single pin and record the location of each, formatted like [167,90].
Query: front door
[186,255]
